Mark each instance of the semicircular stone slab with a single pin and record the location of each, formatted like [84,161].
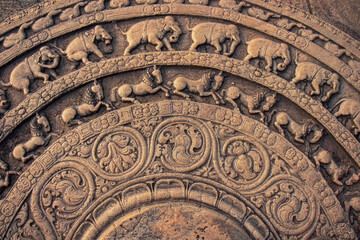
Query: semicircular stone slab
[178,119]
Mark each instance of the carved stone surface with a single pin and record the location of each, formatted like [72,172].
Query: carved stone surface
[169,119]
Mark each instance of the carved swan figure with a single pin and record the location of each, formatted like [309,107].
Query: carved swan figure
[45,22]
[71,13]
[95,6]
[15,38]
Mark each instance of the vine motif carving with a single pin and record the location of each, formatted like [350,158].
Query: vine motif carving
[244,163]
[120,151]
[146,126]
[182,146]
[63,197]
[292,210]
[117,153]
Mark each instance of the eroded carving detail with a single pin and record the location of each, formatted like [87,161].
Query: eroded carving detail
[257,103]
[269,50]
[152,78]
[4,102]
[318,76]
[79,48]
[45,22]
[15,38]
[182,146]
[32,68]
[209,81]
[93,100]
[215,34]
[40,131]
[153,31]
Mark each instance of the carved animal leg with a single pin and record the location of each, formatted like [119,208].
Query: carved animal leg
[167,44]
[159,44]
[357,124]
[48,138]
[42,75]
[230,100]
[298,78]
[129,99]
[31,156]
[182,94]
[269,61]
[217,45]
[107,105]
[74,122]
[255,111]
[248,58]
[316,88]
[220,98]
[129,48]
[278,126]
[299,139]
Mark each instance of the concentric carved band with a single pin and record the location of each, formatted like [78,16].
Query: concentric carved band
[93,71]
[180,9]
[65,181]
[296,160]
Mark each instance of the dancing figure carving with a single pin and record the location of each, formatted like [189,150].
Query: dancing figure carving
[153,31]
[150,84]
[207,85]
[269,50]
[32,68]
[40,131]
[215,34]
[92,102]
[255,103]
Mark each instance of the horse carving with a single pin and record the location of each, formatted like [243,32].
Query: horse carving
[255,103]
[207,85]
[150,84]
[299,131]
[40,128]
[92,102]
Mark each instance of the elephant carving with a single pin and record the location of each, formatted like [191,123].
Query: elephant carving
[153,31]
[32,68]
[348,107]
[215,34]
[79,48]
[318,77]
[269,50]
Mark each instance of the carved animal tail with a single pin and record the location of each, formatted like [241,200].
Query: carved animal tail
[8,84]
[59,49]
[270,116]
[337,104]
[113,94]
[2,38]
[188,26]
[25,25]
[297,58]
[60,119]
